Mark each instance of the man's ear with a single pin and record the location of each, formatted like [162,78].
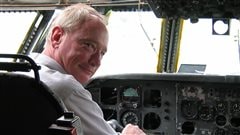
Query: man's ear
[56,37]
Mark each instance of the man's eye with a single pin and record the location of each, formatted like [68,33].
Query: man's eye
[88,44]
[103,53]
[90,47]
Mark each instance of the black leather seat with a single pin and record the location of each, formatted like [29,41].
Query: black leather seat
[28,107]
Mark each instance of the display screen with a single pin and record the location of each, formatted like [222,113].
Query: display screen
[130,94]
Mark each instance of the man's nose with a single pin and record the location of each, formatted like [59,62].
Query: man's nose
[96,59]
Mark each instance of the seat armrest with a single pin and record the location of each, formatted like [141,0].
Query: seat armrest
[68,124]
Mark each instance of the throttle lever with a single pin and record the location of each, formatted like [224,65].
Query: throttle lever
[115,125]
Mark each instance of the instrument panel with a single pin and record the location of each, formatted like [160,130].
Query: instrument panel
[171,104]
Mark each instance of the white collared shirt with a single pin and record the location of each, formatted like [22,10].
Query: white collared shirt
[75,97]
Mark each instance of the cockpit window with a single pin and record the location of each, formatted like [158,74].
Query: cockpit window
[13,28]
[202,45]
[135,42]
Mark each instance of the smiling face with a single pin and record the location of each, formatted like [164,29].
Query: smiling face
[80,51]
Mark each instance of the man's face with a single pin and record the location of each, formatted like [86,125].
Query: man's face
[80,51]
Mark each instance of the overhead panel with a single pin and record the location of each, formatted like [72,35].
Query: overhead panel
[195,8]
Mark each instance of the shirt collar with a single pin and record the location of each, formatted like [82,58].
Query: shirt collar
[47,61]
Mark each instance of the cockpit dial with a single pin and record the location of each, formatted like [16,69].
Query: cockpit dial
[130,117]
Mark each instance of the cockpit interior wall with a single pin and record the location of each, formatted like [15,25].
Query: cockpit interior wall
[171,104]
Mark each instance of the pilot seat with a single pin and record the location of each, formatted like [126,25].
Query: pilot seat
[28,107]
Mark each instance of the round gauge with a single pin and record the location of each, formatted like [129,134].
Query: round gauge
[189,109]
[221,106]
[129,117]
[206,112]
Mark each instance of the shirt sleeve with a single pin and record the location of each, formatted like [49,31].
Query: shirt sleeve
[90,114]
[79,100]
